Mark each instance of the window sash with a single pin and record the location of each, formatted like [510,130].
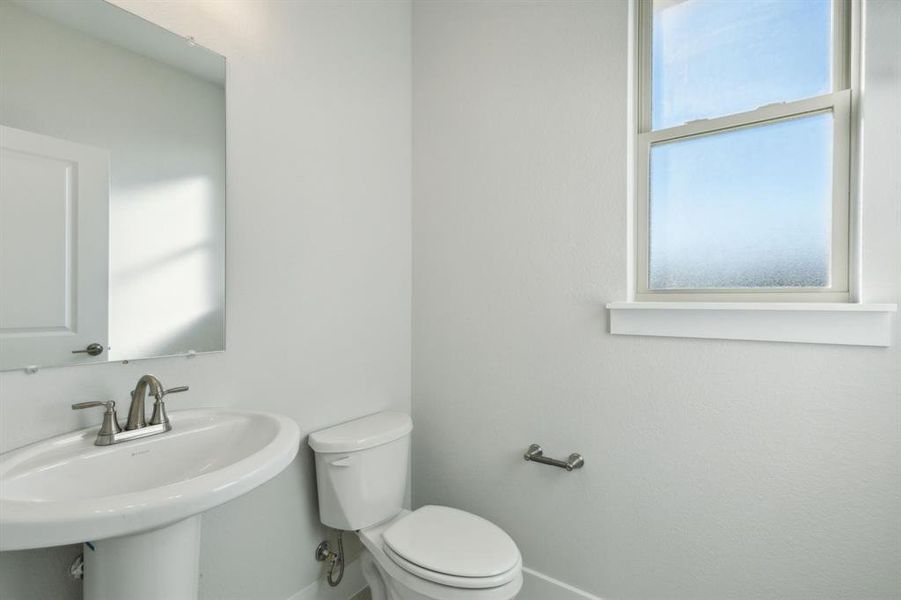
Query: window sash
[838,103]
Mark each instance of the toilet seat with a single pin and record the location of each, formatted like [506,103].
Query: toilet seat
[391,581]
[470,583]
[452,547]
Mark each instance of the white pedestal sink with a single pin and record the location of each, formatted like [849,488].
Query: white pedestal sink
[138,503]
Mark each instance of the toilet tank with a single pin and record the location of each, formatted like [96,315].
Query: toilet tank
[361,469]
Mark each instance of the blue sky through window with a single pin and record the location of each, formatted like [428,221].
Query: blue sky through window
[749,207]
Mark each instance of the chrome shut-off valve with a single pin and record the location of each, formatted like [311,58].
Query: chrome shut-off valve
[335,559]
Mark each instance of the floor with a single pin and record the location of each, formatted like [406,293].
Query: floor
[363,595]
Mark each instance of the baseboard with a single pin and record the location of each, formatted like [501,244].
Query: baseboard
[351,584]
[538,586]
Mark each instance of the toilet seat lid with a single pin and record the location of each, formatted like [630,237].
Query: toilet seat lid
[453,542]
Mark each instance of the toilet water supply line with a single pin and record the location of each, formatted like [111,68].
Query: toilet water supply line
[335,559]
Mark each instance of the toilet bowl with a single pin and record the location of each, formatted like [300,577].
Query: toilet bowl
[432,553]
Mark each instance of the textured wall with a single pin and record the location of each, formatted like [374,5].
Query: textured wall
[318,283]
[713,469]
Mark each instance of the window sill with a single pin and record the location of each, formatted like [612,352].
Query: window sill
[812,323]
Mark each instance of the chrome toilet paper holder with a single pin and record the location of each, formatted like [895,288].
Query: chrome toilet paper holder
[536,454]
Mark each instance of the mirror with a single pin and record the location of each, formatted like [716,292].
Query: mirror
[112,187]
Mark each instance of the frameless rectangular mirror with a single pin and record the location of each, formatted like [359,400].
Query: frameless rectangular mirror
[112,187]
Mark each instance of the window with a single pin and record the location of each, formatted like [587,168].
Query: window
[743,150]
[746,123]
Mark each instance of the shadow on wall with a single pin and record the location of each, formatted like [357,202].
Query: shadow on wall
[166,279]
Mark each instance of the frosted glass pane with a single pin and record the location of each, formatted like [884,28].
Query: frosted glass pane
[716,57]
[745,208]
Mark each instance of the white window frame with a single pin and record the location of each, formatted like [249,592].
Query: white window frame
[840,103]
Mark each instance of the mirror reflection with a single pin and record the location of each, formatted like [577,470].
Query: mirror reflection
[112,187]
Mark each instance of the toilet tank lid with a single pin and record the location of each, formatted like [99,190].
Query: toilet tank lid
[360,434]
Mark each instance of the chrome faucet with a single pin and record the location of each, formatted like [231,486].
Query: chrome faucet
[136,426]
[136,417]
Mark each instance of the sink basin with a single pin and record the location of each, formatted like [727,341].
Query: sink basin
[66,490]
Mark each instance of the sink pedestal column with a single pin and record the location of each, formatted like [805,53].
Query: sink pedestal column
[163,563]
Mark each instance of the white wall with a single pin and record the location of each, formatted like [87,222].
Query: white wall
[167,177]
[714,469]
[318,259]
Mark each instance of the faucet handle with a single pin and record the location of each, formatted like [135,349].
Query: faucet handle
[110,405]
[110,424]
[159,415]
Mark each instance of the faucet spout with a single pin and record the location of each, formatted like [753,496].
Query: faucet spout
[136,416]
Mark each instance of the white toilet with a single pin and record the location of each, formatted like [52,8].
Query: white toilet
[432,553]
